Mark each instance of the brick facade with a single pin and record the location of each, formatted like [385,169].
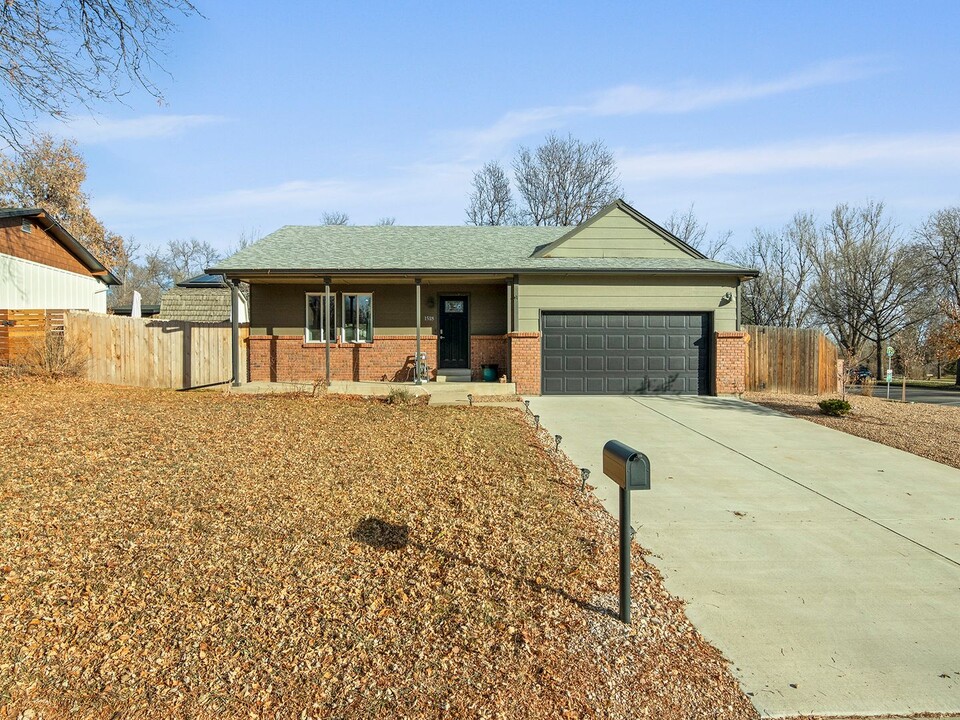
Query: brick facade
[278,358]
[489,350]
[730,363]
[525,362]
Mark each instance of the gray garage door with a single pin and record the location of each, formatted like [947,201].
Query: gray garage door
[600,353]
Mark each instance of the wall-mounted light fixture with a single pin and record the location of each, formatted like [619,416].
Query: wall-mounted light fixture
[431,302]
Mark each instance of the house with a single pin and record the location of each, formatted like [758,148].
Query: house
[43,267]
[614,305]
[203,298]
[44,271]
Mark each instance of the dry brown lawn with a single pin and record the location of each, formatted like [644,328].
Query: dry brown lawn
[930,431]
[212,556]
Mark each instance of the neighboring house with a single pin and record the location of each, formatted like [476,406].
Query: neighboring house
[43,267]
[204,298]
[615,305]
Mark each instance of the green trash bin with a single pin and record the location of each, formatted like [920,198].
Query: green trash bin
[490,373]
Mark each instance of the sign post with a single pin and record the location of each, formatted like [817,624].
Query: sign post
[889,369]
[630,469]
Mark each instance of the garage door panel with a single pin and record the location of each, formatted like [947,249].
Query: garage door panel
[573,364]
[594,342]
[594,363]
[573,342]
[625,352]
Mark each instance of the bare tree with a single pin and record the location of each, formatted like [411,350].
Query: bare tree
[50,174]
[868,285]
[491,201]
[778,296]
[565,180]
[938,238]
[687,227]
[185,258]
[55,55]
[386,221]
[335,218]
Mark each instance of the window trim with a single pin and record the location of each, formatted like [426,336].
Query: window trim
[306,319]
[343,317]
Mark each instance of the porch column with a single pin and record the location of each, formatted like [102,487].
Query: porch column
[509,306]
[416,359]
[235,331]
[326,324]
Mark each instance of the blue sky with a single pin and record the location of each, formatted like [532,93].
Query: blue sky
[276,112]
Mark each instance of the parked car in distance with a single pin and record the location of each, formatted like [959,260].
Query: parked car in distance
[859,374]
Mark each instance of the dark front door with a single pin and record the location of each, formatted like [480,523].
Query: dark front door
[453,346]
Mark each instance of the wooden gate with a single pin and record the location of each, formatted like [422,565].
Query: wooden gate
[791,360]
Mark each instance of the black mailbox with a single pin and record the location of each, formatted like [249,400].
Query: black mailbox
[628,468]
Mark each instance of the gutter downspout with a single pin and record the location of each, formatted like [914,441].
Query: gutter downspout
[235,331]
[326,324]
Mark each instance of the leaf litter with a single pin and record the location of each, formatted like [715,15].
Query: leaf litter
[209,555]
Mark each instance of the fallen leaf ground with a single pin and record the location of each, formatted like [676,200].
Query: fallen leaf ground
[924,429]
[205,555]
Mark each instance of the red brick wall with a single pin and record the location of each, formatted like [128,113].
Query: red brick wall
[730,366]
[525,362]
[489,349]
[288,358]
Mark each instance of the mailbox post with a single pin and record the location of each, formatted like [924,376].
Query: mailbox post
[630,469]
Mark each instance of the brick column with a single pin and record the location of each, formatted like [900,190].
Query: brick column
[730,366]
[525,362]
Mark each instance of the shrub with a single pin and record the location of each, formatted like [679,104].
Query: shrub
[400,396]
[835,407]
[53,357]
[866,389]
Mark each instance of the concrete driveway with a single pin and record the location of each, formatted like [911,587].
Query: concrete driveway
[824,566]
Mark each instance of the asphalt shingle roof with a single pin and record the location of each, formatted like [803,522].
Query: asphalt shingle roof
[458,248]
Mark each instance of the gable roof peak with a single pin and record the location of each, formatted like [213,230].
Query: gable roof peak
[626,208]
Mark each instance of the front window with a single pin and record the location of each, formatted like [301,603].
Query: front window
[316,320]
[358,317]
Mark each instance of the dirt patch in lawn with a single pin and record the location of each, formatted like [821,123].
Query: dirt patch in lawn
[930,431]
[207,555]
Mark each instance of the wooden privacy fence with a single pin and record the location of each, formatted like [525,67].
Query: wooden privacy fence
[20,329]
[791,360]
[154,353]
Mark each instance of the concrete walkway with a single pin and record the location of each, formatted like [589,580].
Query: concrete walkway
[441,393]
[824,566]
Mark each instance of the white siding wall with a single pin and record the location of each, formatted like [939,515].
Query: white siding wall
[26,285]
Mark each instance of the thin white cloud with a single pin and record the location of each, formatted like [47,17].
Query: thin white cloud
[93,130]
[627,100]
[891,151]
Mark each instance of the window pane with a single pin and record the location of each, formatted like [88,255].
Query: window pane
[350,318]
[315,318]
[365,318]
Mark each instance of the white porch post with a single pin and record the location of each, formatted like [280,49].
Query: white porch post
[235,331]
[416,359]
[326,323]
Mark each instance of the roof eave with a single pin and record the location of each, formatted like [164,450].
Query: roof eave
[97,268]
[416,272]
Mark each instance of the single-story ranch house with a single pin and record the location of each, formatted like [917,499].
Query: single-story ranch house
[616,304]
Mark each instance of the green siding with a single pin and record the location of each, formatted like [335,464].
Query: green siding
[623,293]
[617,235]
[280,309]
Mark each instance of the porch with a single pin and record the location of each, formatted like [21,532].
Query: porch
[371,329]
